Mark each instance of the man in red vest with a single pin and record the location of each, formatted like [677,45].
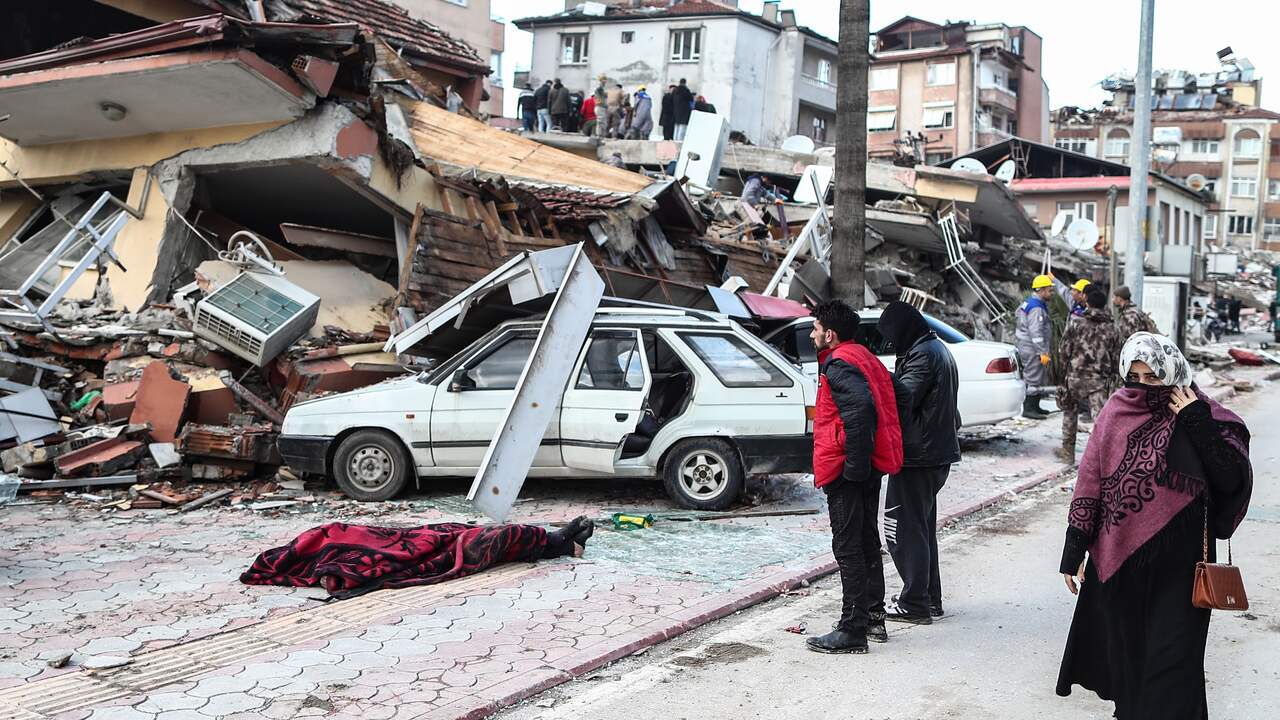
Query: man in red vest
[856,441]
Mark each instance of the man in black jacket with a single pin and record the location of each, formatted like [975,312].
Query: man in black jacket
[681,108]
[667,117]
[926,384]
[542,105]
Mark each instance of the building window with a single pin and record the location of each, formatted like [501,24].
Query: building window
[824,72]
[1247,144]
[1014,85]
[1240,224]
[1077,210]
[819,129]
[627,37]
[1084,146]
[1271,229]
[936,158]
[575,49]
[883,78]
[1273,190]
[495,67]
[1210,226]
[1031,209]
[941,74]
[1012,125]
[879,119]
[1117,144]
[1244,186]
[686,45]
[1204,147]
[939,117]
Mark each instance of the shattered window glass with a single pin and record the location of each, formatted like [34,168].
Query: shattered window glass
[735,363]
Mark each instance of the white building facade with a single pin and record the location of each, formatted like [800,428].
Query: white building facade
[770,77]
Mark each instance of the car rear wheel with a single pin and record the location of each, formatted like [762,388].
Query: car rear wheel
[703,474]
[370,466]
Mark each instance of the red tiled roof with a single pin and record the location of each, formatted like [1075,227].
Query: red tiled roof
[396,26]
[658,9]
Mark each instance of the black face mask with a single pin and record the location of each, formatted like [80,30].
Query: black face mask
[1155,393]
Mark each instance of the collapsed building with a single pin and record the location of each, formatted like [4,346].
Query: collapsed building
[225,208]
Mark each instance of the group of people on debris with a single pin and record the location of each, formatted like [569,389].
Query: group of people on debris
[610,111]
[1087,355]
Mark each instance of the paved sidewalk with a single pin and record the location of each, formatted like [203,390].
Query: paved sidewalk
[161,591]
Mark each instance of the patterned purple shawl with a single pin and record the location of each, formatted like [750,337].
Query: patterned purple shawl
[1127,490]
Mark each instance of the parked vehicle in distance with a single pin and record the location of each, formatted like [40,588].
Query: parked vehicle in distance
[688,396]
[991,387]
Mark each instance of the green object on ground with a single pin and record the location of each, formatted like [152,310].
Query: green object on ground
[623,521]
[85,399]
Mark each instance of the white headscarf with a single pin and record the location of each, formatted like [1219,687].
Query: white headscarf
[1160,354]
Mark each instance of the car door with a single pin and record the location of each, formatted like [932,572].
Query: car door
[605,399]
[471,402]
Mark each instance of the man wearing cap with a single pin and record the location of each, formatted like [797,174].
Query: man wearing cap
[1032,338]
[1130,318]
[1090,354]
[1074,295]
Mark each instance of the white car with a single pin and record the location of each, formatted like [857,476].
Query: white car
[689,396]
[991,387]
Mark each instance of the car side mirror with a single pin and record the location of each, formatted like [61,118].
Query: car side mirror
[461,381]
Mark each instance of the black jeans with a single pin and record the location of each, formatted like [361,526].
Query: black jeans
[911,532]
[855,542]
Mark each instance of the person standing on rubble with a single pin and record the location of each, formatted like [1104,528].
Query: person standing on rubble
[526,105]
[1090,349]
[667,115]
[542,103]
[1032,338]
[1074,295]
[589,116]
[681,108]
[856,440]
[642,117]
[1130,318]
[613,101]
[559,106]
[927,384]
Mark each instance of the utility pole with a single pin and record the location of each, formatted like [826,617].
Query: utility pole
[1140,156]
[849,249]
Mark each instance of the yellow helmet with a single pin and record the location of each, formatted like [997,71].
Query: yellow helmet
[1080,285]
[1041,281]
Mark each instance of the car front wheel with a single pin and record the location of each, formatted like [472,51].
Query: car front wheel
[370,466]
[703,474]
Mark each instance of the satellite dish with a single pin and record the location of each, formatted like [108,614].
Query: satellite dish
[1006,171]
[798,144]
[1082,234]
[1059,223]
[969,165]
[1196,181]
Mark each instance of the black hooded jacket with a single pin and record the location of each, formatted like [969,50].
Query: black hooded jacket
[926,382]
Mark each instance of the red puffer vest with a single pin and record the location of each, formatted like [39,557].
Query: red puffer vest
[828,427]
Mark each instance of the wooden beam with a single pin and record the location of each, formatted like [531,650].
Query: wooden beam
[447,201]
[406,269]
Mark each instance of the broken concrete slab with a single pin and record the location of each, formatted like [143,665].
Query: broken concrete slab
[165,454]
[102,458]
[161,401]
[27,416]
[255,443]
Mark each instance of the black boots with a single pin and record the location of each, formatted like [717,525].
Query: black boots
[838,642]
[1031,409]
[561,542]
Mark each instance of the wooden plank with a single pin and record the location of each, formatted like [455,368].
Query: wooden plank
[447,201]
[533,223]
[414,228]
[498,229]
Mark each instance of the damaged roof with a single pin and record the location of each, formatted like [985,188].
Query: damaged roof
[387,20]
[659,9]
[452,139]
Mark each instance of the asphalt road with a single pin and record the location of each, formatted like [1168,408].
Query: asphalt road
[995,655]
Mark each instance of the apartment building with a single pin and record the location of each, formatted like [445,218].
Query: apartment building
[771,77]
[471,22]
[1208,132]
[962,85]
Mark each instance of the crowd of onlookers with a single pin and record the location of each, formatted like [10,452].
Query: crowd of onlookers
[610,111]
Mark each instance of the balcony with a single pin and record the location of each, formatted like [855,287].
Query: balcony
[998,97]
[817,92]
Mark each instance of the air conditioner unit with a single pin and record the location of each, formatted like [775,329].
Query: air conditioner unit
[256,316]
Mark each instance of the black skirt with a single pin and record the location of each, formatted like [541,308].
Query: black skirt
[1136,639]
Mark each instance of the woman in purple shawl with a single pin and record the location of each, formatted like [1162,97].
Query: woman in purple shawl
[1162,461]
